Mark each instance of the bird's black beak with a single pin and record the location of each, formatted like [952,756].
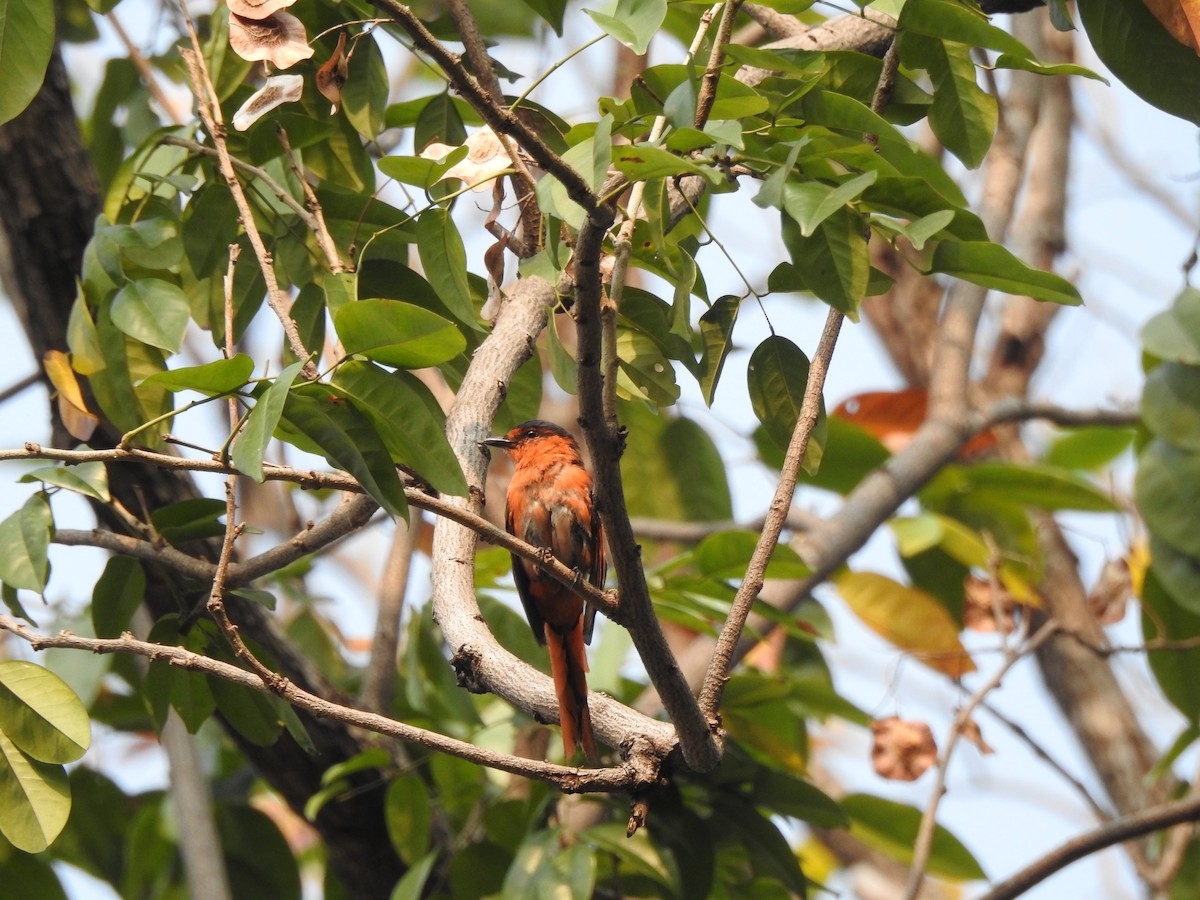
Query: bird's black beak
[502,442]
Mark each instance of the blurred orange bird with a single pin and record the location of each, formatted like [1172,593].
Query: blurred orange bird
[549,505]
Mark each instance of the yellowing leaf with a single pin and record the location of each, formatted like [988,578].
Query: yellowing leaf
[72,409]
[908,617]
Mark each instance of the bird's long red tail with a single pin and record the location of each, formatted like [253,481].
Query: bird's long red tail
[568,664]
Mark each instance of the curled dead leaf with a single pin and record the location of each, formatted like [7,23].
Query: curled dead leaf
[972,734]
[1110,595]
[987,606]
[332,76]
[79,422]
[257,9]
[278,38]
[903,750]
[277,89]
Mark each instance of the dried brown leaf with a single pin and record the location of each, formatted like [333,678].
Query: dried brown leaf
[903,750]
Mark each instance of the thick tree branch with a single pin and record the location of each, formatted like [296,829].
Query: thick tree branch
[481,662]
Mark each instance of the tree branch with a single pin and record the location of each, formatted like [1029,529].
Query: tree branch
[810,410]
[1148,821]
[569,779]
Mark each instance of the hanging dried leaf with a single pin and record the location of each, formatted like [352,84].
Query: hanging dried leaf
[257,9]
[987,606]
[486,159]
[902,750]
[277,89]
[278,38]
[1110,595]
[72,409]
[332,76]
[972,734]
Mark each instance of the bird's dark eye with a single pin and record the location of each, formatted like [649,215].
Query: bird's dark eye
[530,433]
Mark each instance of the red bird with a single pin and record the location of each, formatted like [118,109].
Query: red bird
[549,505]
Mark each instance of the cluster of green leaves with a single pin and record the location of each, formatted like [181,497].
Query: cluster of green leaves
[156,268]
[1167,492]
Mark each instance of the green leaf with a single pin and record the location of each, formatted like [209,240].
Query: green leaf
[26,42]
[643,162]
[89,479]
[1027,485]
[444,260]
[365,93]
[412,885]
[28,876]
[892,827]
[810,202]
[590,157]
[11,598]
[1089,449]
[993,266]
[1178,574]
[398,334]
[40,714]
[24,542]
[438,120]
[254,715]
[115,598]
[726,555]
[409,420]
[189,520]
[716,331]
[1174,335]
[153,311]
[213,379]
[1155,66]
[954,21]
[777,377]
[1167,489]
[632,22]
[1009,61]
[834,260]
[251,442]
[1175,669]
[35,799]
[689,453]
[963,115]
[409,817]
[349,441]
[645,371]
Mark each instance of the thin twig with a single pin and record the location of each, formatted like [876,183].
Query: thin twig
[924,842]
[717,675]
[19,387]
[316,219]
[145,70]
[210,112]
[706,96]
